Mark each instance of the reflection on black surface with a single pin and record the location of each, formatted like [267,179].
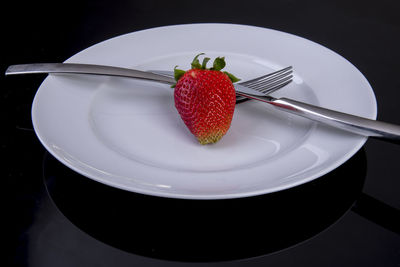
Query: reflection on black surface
[378,212]
[204,230]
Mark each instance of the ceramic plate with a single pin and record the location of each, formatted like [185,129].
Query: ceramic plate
[127,134]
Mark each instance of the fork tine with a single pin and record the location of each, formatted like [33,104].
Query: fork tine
[269,83]
[268,76]
[267,88]
[272,89]
[272,74]
[263,86]
[269,80]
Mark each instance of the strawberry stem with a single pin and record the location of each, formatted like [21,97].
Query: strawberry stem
[204,64]
[232,77]
[218,65]
[196,63]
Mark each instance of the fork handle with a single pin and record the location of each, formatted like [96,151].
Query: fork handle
[86,69]
[352,123]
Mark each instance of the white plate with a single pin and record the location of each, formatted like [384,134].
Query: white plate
[127,134]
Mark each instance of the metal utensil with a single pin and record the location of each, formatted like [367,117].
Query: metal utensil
[348,122]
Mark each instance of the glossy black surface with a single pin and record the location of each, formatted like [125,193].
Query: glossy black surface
[55,217]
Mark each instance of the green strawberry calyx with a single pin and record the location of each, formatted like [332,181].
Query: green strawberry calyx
[218,65]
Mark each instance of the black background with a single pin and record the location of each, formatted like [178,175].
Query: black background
[55,217]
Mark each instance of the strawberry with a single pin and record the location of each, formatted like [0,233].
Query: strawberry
[205,99]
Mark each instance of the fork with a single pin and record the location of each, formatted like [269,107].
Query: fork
[265,84]
[351,123]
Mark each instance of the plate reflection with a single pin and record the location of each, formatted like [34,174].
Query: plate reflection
[204,230]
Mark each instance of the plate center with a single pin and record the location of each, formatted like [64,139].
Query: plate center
[138,120]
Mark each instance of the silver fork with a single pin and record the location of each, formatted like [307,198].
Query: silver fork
[347,122]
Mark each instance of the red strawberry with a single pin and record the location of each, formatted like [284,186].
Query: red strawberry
[205,99]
